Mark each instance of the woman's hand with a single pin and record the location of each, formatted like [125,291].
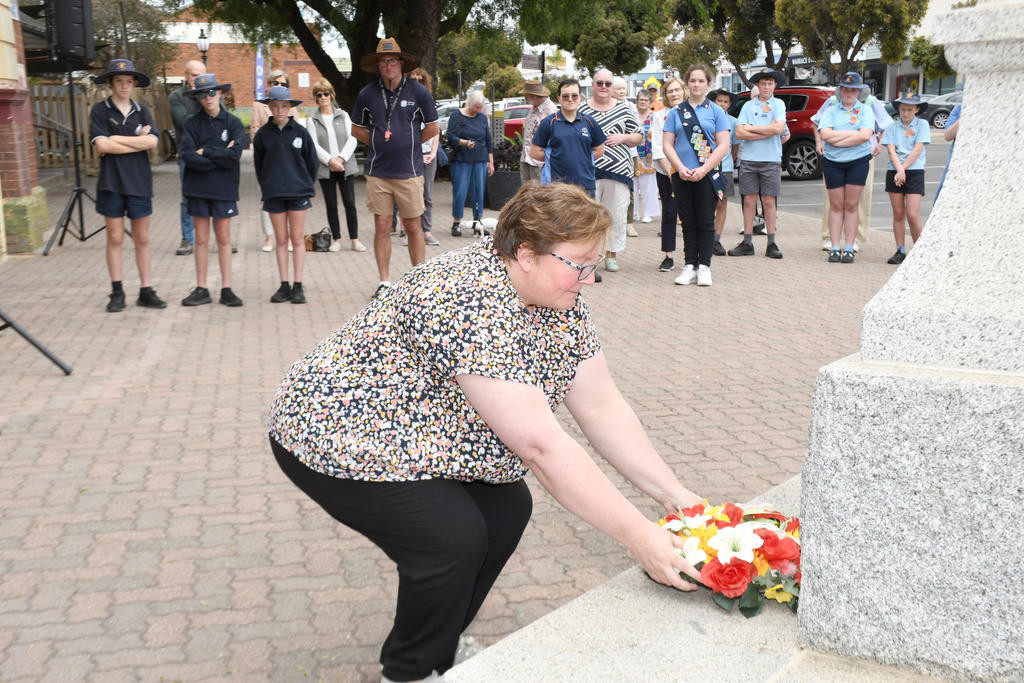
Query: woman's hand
[655,550]
[428,158]
[337,164]
[900,177]
[490,168]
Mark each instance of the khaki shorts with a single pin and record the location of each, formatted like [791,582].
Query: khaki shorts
[383,193]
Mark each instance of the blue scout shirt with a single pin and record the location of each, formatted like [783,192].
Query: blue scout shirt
[404,111]
[285,159]
[905,138]
[712,120]
[571,146]
[838,117]
[128,174]
[759,113]
[727,164]
[214,174]
[954,116]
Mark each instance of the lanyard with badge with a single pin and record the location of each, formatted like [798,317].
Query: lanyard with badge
[388,110]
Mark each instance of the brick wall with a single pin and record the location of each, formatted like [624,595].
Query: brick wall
[234,63]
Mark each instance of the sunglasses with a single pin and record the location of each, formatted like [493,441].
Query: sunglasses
[390,60]
[322,94]
[284,83]
[206,93]
[603,84]
[572,96]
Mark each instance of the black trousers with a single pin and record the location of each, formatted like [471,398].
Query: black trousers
[696,204]
[668,213]
[345,185]
[450,540]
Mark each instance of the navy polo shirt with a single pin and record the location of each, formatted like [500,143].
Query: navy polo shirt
[411,107]
[285,160]
[128,174]
[570,145]
[214,174]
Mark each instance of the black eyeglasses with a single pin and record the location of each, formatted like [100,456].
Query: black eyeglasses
[206,93]
[284,83]
[583,271]
[322,94]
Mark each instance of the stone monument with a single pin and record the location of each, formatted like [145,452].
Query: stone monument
[914,478]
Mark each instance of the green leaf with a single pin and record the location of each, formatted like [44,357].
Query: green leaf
[793,604]
[749,612]
[751,597]
[723,602]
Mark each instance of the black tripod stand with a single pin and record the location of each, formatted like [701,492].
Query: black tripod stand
[75,200]
[6,322]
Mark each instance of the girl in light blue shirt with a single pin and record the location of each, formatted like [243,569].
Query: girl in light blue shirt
[905,142]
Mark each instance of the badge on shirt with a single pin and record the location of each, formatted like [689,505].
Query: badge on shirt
[224,135]
[766,109]
[297,143]
[686,114]
[138,129]
[909,132]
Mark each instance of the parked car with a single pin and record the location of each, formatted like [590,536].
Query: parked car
[444,110]
[799,157]
[514,117]
[940,107]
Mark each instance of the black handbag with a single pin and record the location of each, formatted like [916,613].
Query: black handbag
[322,240]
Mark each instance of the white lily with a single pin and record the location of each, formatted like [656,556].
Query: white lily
[691,551]
[697,521]
[736,541]
[674,525]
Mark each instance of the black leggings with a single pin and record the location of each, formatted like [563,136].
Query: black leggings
[450,540]
[348,198]
[668,213]
[696,203]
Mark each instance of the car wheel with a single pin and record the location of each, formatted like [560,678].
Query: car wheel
[802,160]
[939,119]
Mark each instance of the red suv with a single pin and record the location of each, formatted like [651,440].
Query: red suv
[799,157]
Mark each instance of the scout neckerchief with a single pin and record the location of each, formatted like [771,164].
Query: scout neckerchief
[388,110]
[700,143]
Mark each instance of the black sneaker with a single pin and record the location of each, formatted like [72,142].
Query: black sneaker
[760,230]
[184,249]
[234,249]
[116,303]
[897,258]
[283,293]
[229,298]
[666,265]
[297,295]
[718,249]
[149,299]
[773,251]
[197,297]
[847,255]
[597,276]
[456,230]
[381,289]
[834,257]
[742,249]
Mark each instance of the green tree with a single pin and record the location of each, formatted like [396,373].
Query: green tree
[472,51]
[740,27]
[507,81]
[143,25]
[701,45]
[929,58]
[825,27]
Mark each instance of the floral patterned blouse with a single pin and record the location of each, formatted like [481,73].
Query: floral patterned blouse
[379,401]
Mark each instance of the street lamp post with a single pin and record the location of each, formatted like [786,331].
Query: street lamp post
[203,43]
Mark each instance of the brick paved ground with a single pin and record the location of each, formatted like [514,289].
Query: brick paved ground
[146,533]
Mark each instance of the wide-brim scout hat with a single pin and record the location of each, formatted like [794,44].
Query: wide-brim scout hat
[852,79]
[205,82]
[535,88]
[388,47]
[780,78]
[122,67]
[914,99]
[280,93]
[733,97]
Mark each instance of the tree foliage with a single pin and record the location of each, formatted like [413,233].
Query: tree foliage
[702,45]
[472,51]
[844,27]
[144,26]
[506,82]
[740,28]
[930,58]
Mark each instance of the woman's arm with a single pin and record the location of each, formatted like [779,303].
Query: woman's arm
[519,415]
[322,154]
[669,146]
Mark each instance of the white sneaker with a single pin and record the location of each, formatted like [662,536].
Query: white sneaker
[856,247]
[826,245]
[704,276]
[335,245]
[631,231]
[290,247]
[647,219]
[688,276]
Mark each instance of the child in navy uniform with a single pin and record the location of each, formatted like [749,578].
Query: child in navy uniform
[211,145]
[122,132]
[286,166]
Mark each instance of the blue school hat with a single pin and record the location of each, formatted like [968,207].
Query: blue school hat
[915,99]
[122,67]
[281,93]
[204,82]
[852,79]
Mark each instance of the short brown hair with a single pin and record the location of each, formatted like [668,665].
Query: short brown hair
[323,85]
[422,74]
[708,73]
[540,216]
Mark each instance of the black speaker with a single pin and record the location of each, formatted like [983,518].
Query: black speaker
[69,29]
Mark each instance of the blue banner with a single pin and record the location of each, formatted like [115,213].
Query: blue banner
[259,92]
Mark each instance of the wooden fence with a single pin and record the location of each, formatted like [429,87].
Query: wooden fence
[51,119]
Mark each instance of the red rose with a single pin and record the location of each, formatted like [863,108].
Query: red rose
[693,510]
[734,513]
[779,552]
[731,580]
[794,525]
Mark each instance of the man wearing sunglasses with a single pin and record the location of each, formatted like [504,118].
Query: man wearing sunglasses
[183,107]
[569,140]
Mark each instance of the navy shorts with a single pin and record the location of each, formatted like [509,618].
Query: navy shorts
[117,205]
[287,204]
[199,207]
[839,173]
[914,183]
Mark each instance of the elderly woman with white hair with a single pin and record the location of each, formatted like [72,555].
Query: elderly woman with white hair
[469,133]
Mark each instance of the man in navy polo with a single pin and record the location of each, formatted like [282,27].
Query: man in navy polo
[574,140]
[393,116]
